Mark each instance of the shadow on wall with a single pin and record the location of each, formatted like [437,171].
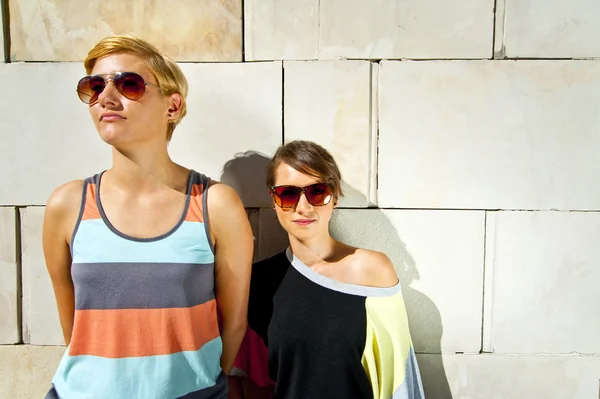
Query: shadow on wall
[368,228]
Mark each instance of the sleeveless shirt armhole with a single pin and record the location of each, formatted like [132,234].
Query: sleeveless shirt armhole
[86,183]
[206,183]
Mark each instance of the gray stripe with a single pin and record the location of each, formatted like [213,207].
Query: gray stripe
[412,387]
[141,285]
[218,391]
[52,394]
[327,282]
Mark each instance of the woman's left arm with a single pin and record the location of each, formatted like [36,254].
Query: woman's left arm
[234,247]
[389,358]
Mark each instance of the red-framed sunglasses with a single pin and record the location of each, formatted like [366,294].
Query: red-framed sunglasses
[287,197]
[129,84]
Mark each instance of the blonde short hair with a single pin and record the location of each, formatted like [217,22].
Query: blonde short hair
[166,71]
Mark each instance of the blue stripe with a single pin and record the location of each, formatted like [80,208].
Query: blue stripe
[95,243]
[412,386]
[160,377]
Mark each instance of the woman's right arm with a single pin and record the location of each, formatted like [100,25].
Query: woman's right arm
[60,217]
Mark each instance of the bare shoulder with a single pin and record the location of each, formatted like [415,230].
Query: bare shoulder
[221,197]
[222,192]
[229,224]
[62,210]
[224,207]
[376,269]
[66,198]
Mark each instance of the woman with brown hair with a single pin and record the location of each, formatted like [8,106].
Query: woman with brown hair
[326,320]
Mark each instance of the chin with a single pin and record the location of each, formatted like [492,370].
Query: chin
[110,134]
[302,234]
[114,137]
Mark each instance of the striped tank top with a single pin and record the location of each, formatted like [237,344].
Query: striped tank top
[145,311]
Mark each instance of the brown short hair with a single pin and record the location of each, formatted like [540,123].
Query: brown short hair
[169,76]
[309,158]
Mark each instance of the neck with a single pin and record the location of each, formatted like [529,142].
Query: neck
[144,168]
[314,251]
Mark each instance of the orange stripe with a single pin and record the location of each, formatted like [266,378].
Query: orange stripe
[91,208]
[194,213]
[143,332]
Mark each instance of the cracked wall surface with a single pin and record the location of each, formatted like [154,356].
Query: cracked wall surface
[466,133]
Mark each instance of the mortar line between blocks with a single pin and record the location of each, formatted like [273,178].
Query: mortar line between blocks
[499,21]
[483,274]
[503,37]
[282,102]
[494,27]
[19,261]
[318,29]
[374,133]
[243,22]
[5,15]
[487,336]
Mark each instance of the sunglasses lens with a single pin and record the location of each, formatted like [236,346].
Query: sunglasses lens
[131,85]
[286,196]
[318,194]
[89,88]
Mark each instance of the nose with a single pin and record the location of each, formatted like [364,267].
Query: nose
[303,206]
[109,95]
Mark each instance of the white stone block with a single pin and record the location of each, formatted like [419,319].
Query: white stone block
[27,370]
[441,276]
[329,102]
[41,325]
[186,30]
[49,141]
[273,239]
[489,376]
[233,125]
[545,275]
[552,28]
[9,317]
[281,29]
[489,134]
[417,29]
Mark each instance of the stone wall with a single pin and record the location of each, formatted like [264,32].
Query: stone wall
[466,131]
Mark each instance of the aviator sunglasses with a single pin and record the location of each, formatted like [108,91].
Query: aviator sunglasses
[129,84]
[287,197]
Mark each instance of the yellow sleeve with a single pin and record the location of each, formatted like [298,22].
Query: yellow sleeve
[389,358]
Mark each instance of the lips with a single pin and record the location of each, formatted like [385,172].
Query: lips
[304,222]
[109,116]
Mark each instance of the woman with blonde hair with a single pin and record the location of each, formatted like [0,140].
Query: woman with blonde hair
[325,319]
[152,298]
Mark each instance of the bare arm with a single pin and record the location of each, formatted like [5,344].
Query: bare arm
[60,217]
[233,262]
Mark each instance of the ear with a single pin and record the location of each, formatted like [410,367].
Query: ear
[335,202]
[175,103]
